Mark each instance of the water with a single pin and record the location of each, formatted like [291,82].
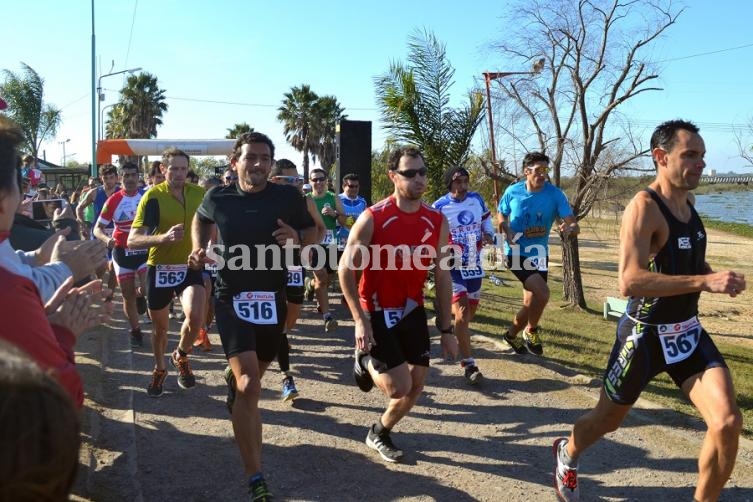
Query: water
[734,207]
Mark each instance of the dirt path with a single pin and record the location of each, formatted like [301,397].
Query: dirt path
[492,443]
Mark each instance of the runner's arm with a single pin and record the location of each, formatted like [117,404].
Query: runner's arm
[99,233]
[442,277]
[318,234]
[341,216]
[83,204]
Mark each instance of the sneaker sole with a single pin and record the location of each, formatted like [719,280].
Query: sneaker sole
[373,446]
[521,350]
[332,326]
[181,384]
[475,379]
[534,351]
[290,397]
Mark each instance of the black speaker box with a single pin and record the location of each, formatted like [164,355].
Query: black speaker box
[354,154]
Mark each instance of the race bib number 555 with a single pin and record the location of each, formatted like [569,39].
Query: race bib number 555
[170,276]
[256,307]
[679,340]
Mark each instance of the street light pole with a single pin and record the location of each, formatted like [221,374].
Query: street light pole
[101,96]
[488,77]
[62,161]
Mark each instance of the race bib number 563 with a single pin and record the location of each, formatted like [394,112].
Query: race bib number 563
[170,276]
[256,307]
[679,340]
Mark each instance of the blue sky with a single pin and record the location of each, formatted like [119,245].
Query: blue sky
[224,62]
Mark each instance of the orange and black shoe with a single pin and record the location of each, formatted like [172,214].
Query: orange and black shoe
[155,387]
[203,341]
[186,380]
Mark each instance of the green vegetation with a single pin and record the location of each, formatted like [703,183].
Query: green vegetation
[740,229]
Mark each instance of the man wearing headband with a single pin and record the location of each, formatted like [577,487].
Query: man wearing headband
[470,229]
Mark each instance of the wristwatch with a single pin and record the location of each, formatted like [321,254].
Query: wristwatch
[447,331]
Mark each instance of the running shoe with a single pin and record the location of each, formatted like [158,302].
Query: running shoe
[203,341]
[330,324]
[383,444]
[230,380]
[155,387]
[186,380]
[565,478]
[516,343]
[472,374]
[308,289]
[289,392]
[141,305]
[533,341]
[259,491]
[361,374]
[137,339]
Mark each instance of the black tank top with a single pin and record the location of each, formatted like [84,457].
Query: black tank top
[684,253]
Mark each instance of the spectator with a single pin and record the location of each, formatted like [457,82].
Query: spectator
[39,431]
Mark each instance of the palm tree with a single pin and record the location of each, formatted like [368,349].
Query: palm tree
[298,116]
[24,95]
[328,114]
[414,102]
[117,124]
[143,104]
[237,130]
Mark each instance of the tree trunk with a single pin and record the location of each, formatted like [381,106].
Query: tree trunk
[572,284]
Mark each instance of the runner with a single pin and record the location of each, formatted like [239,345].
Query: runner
[120,209]
[660,330]
[392,336]
[160,225]
[332,212]
[470,229]
[285,172]
[527,211]
[250,298]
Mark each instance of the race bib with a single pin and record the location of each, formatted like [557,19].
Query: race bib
[471,273]
[392,317]
[537,264]
[329,236]
[135,252]
[256,307]
[211,269]
[295,276]
[679,340]
[170,276]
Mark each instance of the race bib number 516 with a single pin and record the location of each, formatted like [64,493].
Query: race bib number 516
[170,276]
[256,307]
[679,340]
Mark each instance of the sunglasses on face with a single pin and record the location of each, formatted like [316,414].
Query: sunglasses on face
[411,173]
[318,180]
[231,178]
[289,179]
[351,186]
[539,171]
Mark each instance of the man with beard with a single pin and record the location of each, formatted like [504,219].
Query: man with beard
[392,336]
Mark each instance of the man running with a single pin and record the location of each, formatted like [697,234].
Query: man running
[527,211]
[470,229]
[285,172]
[128,264]
[254,219]
[663,271]
[160,225]
[331,209]
[392,336]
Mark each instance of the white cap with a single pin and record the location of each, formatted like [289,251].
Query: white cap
[307,186]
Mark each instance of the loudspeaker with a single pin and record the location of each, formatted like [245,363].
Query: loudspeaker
[354,154]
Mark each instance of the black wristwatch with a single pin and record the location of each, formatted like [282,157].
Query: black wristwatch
[447,331]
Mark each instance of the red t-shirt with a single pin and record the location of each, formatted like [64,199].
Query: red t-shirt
[404,240]
[50,346]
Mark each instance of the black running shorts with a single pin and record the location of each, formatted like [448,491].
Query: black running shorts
[238,335]
[407,341]
[160,297]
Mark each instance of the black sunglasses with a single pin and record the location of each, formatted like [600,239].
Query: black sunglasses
[411,173]
[317,180]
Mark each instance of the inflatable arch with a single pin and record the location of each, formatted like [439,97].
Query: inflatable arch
[109,147]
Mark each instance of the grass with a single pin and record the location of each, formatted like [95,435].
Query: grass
[740,229]
[581,341]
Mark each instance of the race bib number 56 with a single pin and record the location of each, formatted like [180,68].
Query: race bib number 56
[256,307]
[679,340]
[170,276]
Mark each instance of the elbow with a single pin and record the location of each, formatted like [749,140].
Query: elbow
[626,286]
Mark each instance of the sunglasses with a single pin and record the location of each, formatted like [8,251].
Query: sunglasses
[351,186]
[289,179]
[318,180]
[539,171]
[411,173]
[230,178]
